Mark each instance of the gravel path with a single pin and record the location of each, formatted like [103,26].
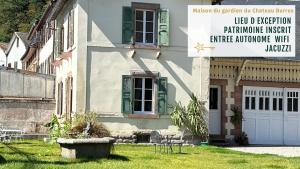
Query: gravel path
[276,150]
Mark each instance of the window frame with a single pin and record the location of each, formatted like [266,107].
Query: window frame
[143,112]
[150,7]
[144,32]
[293,96]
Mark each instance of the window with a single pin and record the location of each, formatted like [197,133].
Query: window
[71,29]
[261,103]
[277,104]
[144,26]
[213,99]
[18,43]
[15,65]
[267,103]
[62,39]
[249,103]
[280,104]
[60,97]
[143,95]
[252,103]
[292,101]
[274,104]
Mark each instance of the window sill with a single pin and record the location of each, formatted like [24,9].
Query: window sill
[144,46]
[143,116]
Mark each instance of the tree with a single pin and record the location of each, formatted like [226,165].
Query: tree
[18,16]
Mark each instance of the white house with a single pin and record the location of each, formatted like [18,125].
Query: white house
[16,49]
[128,75]
[39,55]
[3,47]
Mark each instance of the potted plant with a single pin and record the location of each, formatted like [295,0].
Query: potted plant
[237,119]
[237,116]
[84,138]
[193,117]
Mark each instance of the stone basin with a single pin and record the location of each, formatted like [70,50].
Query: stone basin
[86,148]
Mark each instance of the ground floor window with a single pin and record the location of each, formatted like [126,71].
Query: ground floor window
[60,97]
[292,101]
[143,95]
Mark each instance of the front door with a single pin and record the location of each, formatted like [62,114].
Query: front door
[215,110]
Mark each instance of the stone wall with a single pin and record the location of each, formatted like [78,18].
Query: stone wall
[24,84]
[27,114]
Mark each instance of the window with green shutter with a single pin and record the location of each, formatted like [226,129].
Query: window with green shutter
[138,94]
[127,30]
[145,23]
[162,95]
[126,94]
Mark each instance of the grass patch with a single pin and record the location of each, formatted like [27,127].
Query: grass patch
[38,155]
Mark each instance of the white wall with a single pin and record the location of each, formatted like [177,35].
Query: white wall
[107,59]
[16,52]
[2,57]
[46,51]
[67,67]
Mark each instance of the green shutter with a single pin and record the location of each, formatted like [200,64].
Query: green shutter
[163,27]
[162,95]
[127,28]
[126,94]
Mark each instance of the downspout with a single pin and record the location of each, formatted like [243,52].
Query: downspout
[241,72]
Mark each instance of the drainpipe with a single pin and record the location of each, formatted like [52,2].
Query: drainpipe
[240,73]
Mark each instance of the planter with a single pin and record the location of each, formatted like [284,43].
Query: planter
[86,148]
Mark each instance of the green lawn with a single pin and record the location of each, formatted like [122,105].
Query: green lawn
[36,154]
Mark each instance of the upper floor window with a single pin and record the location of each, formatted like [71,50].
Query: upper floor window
[18,42]
[70,41]
[144,26]
[145,23]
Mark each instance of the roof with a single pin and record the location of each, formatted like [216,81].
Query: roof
[3,46]
[274,2]
[23,37]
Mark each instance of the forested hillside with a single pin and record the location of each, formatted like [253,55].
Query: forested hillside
[18,16]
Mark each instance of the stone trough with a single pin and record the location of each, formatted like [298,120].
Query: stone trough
[86,148]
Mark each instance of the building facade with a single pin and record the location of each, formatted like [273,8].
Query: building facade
[127,61]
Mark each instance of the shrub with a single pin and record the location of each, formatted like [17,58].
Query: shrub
[81,121]
[78,128]
[194,117]
[242,140]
